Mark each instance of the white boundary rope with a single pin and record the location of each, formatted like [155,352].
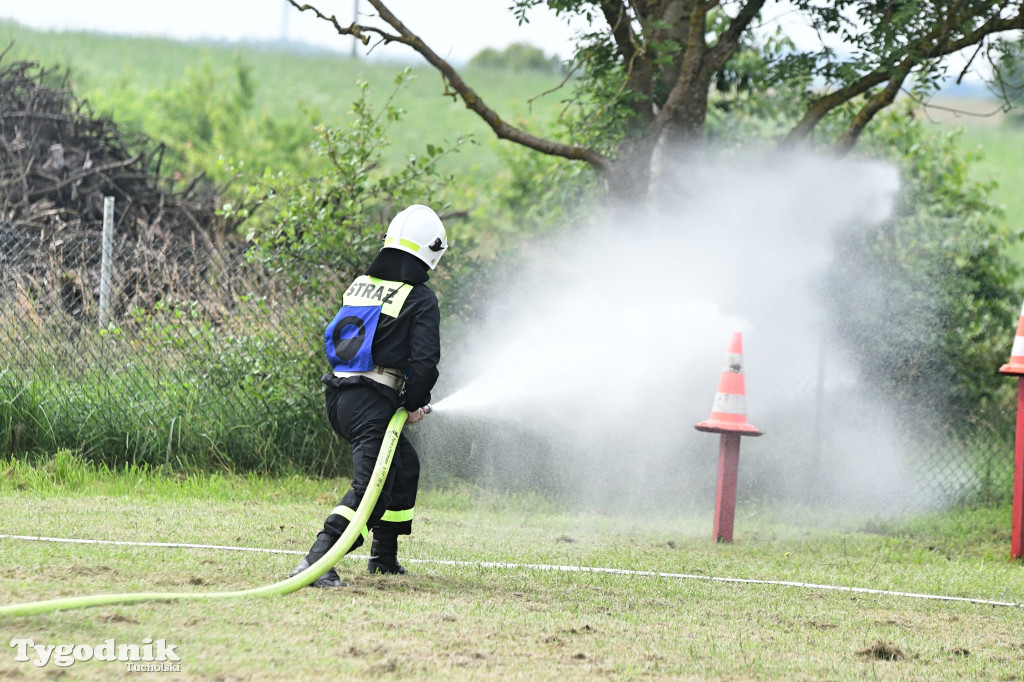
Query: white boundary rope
[129,543]
[548,567]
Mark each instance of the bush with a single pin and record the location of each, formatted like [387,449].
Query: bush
[207,115]
[941,290]
[516,57]
[323,229]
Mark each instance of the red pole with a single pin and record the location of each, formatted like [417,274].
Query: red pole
[1017,525]
[725,496]
[729,418]
[1015,367]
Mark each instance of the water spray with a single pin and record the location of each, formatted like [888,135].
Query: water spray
[340,549]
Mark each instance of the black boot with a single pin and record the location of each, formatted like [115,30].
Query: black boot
[384,554]
[323,544]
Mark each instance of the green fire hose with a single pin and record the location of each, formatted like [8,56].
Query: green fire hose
[341,547]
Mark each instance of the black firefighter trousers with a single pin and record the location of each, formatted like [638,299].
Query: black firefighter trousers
[360,412]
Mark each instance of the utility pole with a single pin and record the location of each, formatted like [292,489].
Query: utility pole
[355,20]
[285,18]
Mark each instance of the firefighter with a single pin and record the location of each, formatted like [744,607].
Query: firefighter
[383,346]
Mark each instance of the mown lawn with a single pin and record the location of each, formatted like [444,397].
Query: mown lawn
[470,621]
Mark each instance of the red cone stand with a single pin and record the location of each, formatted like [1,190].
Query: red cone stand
[729,418]
[1015,367]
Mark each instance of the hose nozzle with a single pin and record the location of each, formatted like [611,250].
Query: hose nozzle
[427,409]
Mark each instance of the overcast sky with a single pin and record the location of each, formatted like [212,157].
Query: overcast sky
[455,29]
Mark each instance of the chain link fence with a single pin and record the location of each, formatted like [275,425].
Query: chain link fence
[205,361]
[211,361]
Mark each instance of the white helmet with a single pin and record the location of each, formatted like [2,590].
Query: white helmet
[418,230]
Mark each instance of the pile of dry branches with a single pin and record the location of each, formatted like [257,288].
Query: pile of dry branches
[58,160]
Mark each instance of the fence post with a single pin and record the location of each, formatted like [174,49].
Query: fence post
[105,263]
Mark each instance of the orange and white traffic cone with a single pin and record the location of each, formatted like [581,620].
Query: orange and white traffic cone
[1016,364]
[729,411]
[729,418]
[1015,367]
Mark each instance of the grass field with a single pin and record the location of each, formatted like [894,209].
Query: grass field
[109,71]
[468,621]
[1002,162]
[463,620]
[999,145]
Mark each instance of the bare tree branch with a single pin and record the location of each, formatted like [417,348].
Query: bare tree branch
[931,45]
[357,31]
[471,99]
[727,45]
[928,106]
[617,17]
[75,177]
[822,106]
[875,103]
[967,67]
[565,79]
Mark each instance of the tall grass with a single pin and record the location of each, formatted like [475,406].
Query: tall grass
[67,472]
[242,396]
